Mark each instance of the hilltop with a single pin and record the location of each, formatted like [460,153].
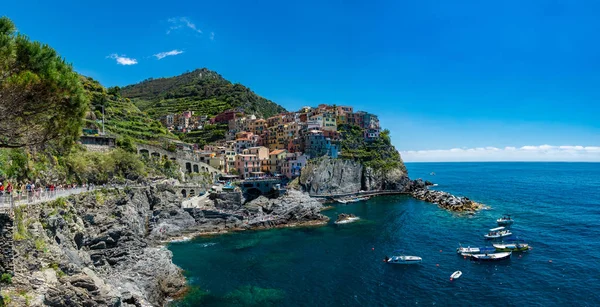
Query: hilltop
[202,91]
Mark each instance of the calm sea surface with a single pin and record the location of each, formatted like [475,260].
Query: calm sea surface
[556,207]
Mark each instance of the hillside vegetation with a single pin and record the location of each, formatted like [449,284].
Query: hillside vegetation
[122,117]
[202,91]
[379,154]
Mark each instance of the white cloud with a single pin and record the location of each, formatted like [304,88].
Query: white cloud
[165,54]
[180,22]
[122,60]
[212,36]
[524,153]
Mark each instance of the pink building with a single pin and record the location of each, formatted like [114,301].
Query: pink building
[247,164]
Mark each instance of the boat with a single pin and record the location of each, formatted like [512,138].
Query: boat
[402,259]
[456,275]
[474,250]
[512,247]
[498,232]
[491,257]
[344,218]
[352,200]
[505,220]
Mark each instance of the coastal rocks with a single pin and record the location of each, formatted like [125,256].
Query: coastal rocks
[344,218]
[446,200]
[338,177]
[332,176]
[95,249]
[293,208]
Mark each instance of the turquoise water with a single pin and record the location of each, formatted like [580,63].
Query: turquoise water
[556,207]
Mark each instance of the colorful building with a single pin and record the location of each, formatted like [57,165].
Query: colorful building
[246,165]
[275,161]
[293,164]
[318,145]
[223,118]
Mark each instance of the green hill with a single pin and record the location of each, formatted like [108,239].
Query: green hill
[122,117]
[201,90]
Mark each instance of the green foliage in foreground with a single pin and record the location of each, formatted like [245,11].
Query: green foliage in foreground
[41,97]
[80,166]
[6,278]
[379,154]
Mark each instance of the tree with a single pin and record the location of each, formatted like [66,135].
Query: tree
[41,97]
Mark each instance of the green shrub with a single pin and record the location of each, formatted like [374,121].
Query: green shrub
[6,278]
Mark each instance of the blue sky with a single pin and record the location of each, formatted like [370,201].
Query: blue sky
[441,74]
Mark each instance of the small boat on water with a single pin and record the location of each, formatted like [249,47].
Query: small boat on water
[344,218]
[491,257]
[512,247]
[505,220]
[402,259]
[352,199]
[474,250]
[498,232]
[456,275]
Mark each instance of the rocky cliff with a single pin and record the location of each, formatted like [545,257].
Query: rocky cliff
[338,176]
[93,249]
[103,248]
[331,177]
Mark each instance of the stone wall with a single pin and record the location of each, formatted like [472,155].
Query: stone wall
[6,244]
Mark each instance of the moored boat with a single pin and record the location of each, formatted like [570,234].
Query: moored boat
[512,247]
[456,275]
[498,232]
[491,257]
[402,259]
[474,250]
[505,220]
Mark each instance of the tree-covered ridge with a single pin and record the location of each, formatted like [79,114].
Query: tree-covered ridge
[379,154]
[122,117]
[202,91]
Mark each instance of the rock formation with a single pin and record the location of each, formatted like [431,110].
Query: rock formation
[326,177]
[336,176]
[103,248]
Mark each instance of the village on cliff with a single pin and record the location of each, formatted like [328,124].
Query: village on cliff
[279,145]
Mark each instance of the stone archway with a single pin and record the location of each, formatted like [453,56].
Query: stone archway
[188,167]
[155,155]
[192,193]
[184,193]
[144,152]
[196,168]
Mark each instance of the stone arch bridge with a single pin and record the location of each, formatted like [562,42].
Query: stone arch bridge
[189,162]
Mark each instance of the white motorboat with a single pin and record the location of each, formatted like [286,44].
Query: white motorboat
[456,275]
[403,259]
[491,257]
[474,250]
[505,220]
[498,232]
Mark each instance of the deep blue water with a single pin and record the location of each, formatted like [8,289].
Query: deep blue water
[556,207]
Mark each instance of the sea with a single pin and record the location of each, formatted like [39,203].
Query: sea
[556,208]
